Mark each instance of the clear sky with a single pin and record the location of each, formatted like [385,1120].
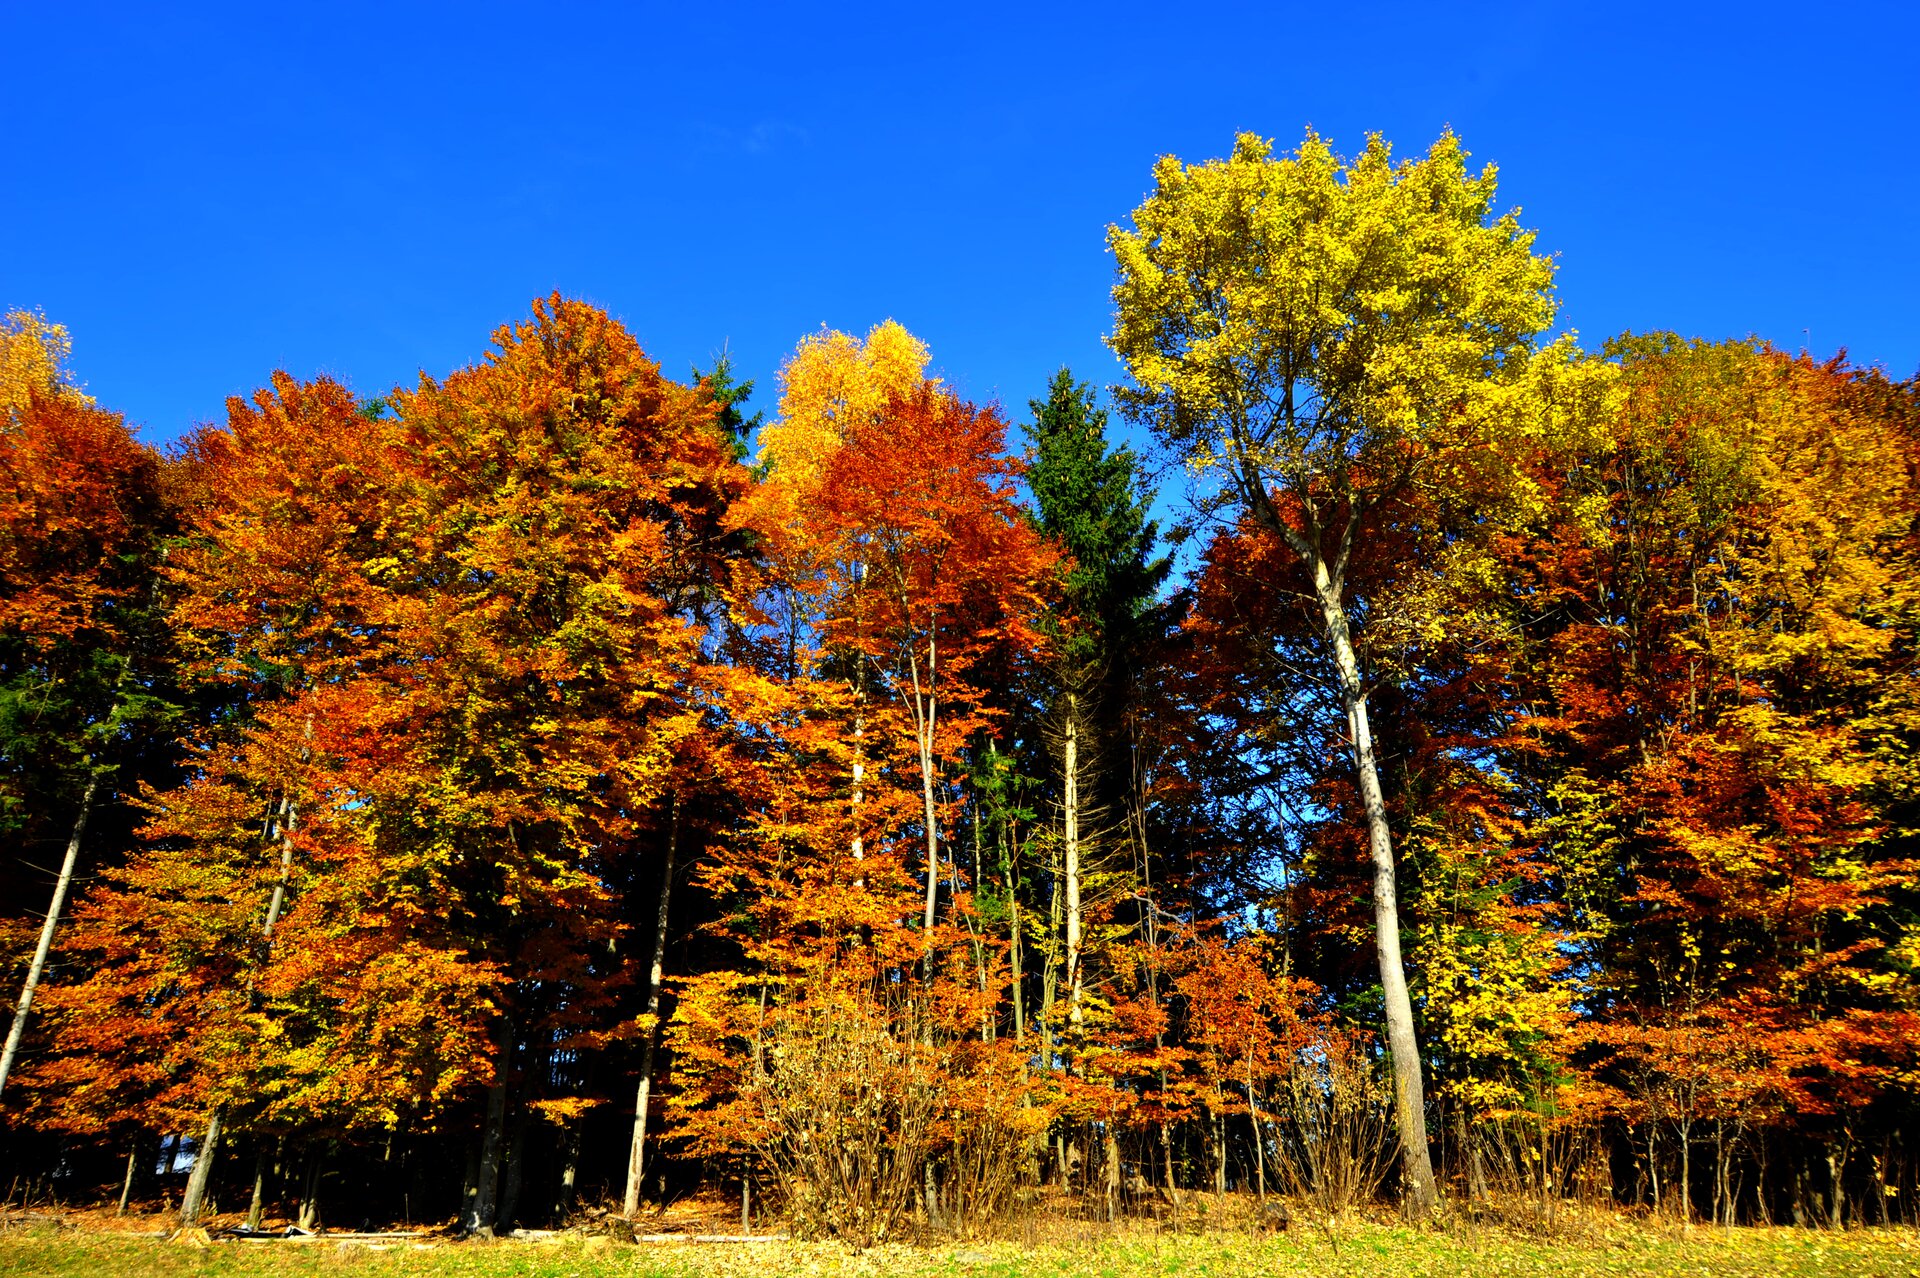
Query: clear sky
[205,193]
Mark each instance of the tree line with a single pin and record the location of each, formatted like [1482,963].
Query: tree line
[548,785]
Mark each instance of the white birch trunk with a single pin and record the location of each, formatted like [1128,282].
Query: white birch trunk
[38,966]
[1409,1091]
[636,1155]
[1071,804]
[927,712]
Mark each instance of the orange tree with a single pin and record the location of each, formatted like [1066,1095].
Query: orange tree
[468,637]
[87,692]
[900,571]
[1707,671]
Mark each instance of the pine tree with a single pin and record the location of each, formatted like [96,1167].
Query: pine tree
[1090,501]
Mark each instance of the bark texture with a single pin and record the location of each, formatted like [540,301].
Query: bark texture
[38,967]
[636,1155]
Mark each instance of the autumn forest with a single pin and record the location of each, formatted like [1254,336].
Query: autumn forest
[1382,751]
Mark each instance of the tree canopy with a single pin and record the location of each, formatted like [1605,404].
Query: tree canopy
[551,786]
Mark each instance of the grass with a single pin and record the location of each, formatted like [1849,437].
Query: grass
[1369,1250]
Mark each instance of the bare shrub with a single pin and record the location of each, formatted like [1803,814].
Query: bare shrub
[1530,1167]
[996,1127]
[850,1105]
[1337,1130]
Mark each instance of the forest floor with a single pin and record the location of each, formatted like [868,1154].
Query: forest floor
[1048,1250]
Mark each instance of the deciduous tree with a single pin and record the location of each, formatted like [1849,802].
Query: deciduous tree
[1324,343]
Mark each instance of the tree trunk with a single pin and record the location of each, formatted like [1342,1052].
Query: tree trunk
[1476,1166]
[569,1171]
[636,1155]
[481,1216]
[1416,1161]
[1259,1141]
[470,1187]
[126,1186]
[1719,1172]
[988,1014]
[314,1173]
[210,1143]
[1013,935]
[1762,1179]
[1219,1153]
[859,761]
[39,965]
[1836,1187]
[926,717]
[202,1171]
[933,830]
[1070,804]
[1653,1163]
[515,1174]
[1112,1158]
[1050,970]
[259,1188]
[1166,1155]
[1686,1172]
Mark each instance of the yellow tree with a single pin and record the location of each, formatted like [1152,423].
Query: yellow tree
[1348,353]
[830,385]
[33,359]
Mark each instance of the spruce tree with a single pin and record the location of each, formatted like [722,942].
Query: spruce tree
[1090,499]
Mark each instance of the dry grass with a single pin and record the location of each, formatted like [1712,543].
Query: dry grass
[1043,1248]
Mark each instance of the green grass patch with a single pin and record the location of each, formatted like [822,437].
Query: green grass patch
[1363,1251]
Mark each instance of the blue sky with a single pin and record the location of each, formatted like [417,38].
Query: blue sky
[204,196]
